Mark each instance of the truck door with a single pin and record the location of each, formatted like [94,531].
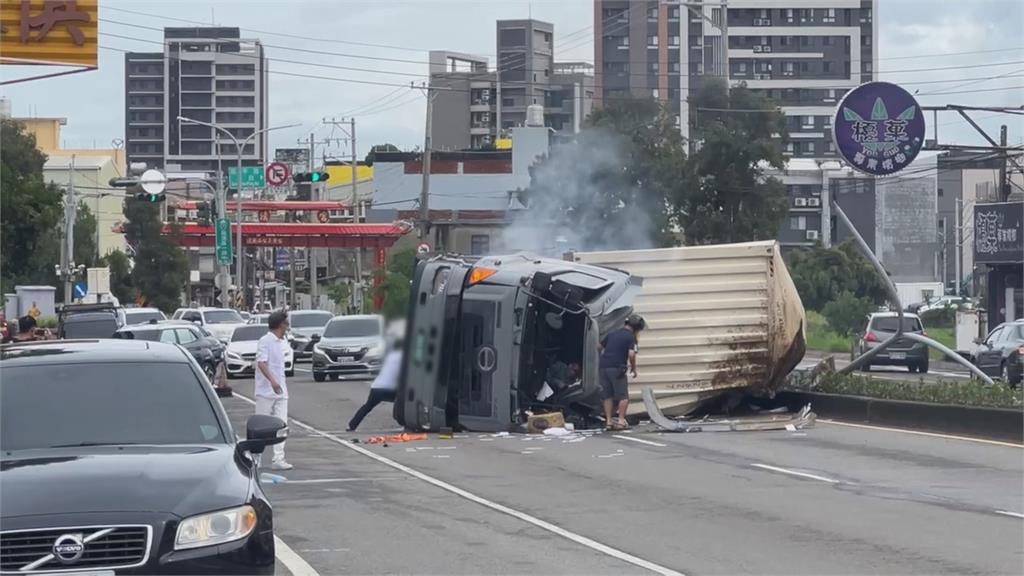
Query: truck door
[486,391]
[427,364]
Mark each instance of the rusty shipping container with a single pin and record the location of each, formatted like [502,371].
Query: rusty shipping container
[719,318]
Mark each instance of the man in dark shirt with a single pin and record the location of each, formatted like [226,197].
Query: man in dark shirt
[617,350]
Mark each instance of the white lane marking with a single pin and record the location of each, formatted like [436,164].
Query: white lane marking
[920,433]
[795,473]
[1008,513]
[334,480]
[631,439]
[292,561]
[542,524]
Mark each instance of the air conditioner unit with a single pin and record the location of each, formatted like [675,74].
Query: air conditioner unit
[800,201]
[757,48]
[485,94]
[814,201]
[485,117]
[812,234]
[766,48]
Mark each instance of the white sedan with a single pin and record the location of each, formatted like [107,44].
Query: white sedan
[240,356]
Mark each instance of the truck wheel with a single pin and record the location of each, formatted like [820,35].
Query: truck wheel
[319,376]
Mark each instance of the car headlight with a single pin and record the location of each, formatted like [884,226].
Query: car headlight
[375,350]
[234,356]
[318,349]
[215,528]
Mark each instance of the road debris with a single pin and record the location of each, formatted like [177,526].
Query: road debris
[773,421]
[396,439]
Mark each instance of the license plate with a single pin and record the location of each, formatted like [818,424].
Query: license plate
[898,355]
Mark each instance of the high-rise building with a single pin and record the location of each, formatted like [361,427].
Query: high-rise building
[803,55]
[475,104]
[207,74]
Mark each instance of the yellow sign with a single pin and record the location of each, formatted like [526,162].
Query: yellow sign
[53,32]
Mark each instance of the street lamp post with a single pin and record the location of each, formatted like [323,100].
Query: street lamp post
[222,196]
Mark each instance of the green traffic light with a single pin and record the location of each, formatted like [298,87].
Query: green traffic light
[314,177]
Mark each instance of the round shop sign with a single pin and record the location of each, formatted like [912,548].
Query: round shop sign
[878,128]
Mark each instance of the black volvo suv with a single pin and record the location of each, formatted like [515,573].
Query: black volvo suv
[117,456]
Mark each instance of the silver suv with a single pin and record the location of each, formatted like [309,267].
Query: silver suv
[904,352]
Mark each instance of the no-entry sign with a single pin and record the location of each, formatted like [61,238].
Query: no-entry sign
[277,173]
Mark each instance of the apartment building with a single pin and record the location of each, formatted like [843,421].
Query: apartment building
[803,54]
[208,74]
[476,104]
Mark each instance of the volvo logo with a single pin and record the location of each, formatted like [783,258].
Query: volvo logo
[486,358]
[69,548]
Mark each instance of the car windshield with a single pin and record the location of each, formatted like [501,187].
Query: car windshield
[309,320]
[889,324]
[103,327]
[142,316]
[222,317]
[156,404]
[150,335]
[250,332]
[352,328]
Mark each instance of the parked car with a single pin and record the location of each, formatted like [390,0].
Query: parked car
[240,357]
[305,326]
[89,321]
[1001,353]
[142,315]
[941,303]
[258,319]
[207,350]
[904,352]
[221,322]
[118,456]
[350,345]
[482,335]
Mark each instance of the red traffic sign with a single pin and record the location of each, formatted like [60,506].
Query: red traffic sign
[277,173]
[264,216]
[423,248]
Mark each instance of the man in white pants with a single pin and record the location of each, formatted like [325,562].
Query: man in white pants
[271,387]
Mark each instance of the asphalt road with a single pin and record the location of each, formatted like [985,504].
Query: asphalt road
[938,370]
[834,499]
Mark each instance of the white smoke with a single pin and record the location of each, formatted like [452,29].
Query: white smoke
[581,199]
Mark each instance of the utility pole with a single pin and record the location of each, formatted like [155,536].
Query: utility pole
[427,153]
[957,239]
[314,253]
[357,207]
[1004,182]
[68,251]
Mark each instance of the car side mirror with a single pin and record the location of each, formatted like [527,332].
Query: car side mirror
[262,431]
[315,338]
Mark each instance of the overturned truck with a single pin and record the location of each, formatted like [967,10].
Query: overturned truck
[490,340]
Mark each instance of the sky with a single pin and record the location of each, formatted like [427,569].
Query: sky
[921,44]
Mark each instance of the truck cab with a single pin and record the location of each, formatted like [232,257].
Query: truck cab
[482,336]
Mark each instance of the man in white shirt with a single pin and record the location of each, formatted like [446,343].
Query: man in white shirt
[384,386]
[271,387]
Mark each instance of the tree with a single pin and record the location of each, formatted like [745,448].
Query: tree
[726,196]
[845,315]
[821,275]
[161,267]
[30,211]
[120,276]
[611,186]
[396,283]
[372,154]
[85,236]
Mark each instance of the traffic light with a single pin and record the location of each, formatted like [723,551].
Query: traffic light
[204,213]
[152,198]
[313,177]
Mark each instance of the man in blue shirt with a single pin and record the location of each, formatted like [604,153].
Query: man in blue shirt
[384,386]
[617,350]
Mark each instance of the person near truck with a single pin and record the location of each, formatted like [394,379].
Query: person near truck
[384,386]
[618,353]
[271,388]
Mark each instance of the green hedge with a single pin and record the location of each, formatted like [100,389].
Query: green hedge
[968,393]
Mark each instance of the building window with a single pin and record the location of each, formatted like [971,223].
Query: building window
[830,147]
[805,66]
[652,14]
[652,67]
[830,15]
[866,15]
[867,66]
[810,147]
[508,102]
[865,40]
[786,40]
[676,67]
[654,93]
[940,191]
[789,147]
[826,66]
[652,41]
[830,40]
[798,223]
[623,43]
[788,69]
[673,40]
[741,67]
[674,13]
[809,121]
[789,14]
[479,244]
[805,40]
[716,16]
